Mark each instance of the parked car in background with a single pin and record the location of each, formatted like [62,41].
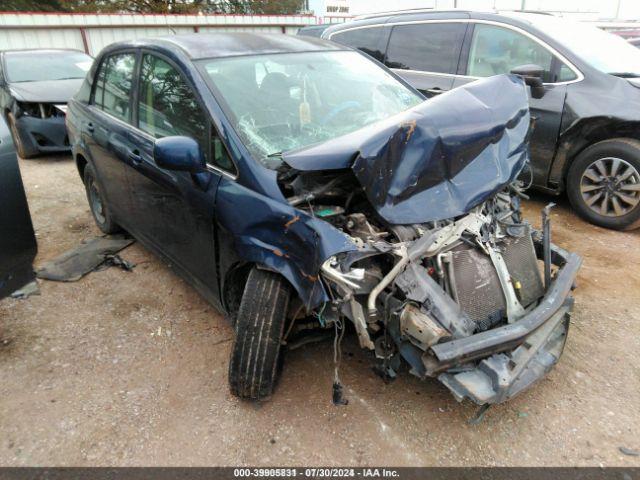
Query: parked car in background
[586,139]
[35,86]
[18,245]
[314,30]
[298,184]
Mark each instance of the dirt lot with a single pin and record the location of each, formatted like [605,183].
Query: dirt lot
[130,369]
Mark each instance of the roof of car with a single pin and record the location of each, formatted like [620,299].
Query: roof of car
[228,44]
[527,17]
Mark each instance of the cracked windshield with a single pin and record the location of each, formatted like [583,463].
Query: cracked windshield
[282,102]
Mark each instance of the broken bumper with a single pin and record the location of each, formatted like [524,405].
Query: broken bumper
[514,356]
[43,135]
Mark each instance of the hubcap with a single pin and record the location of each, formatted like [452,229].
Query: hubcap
[96,203]
[610,187]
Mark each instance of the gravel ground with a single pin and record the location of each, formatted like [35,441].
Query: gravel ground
[130,368]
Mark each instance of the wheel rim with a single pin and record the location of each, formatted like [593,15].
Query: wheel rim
[610,187]
[96,203]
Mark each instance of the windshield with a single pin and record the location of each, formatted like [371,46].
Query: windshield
[286,101]
[46,65]
[607,52]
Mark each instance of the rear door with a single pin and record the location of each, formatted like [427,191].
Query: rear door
[106,129]
[370,39]
[426,54]
[496,49]
[174,211]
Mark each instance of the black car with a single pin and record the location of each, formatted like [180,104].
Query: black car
[313,30]
[18,245]
[299,185]
[586,139]
[35,86]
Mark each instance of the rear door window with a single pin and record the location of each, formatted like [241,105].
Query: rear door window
[113,85]
[367,40]
[427,47]
[495,50]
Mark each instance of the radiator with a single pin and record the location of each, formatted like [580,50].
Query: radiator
[476,287]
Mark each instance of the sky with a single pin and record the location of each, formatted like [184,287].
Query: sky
[588,9]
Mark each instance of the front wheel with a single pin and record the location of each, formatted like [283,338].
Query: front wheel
[256,359]
[603,184]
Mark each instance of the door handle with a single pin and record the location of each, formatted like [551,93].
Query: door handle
[90,127]
[134,156]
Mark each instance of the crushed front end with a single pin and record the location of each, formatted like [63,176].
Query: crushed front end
[462,300]
[445,274]
[41,127]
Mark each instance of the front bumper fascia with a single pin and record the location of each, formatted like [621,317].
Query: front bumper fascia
[514,356]
[52,132]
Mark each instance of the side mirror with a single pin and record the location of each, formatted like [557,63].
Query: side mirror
[532,76]
[179,153]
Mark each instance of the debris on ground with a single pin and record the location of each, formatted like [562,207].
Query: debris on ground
[29,289]
[74,264]
[630,452]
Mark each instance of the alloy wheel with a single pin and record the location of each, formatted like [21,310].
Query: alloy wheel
[610,187]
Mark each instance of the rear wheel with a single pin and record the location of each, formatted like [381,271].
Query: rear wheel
[99,208]
[17,139]
[256,359]
[603,184]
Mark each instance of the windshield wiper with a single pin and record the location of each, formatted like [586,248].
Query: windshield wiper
[625,74]
[274,154]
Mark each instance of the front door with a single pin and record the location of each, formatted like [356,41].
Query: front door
[173,210]
[495,50]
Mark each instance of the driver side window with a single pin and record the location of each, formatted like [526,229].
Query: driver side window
[496,50]
[168,106]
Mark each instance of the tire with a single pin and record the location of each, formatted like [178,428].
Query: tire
[17,139]
[603,184]
[97,203]
[256,360]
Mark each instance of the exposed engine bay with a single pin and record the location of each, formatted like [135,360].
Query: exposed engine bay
[415,293]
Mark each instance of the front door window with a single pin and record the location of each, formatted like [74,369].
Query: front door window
[496,50]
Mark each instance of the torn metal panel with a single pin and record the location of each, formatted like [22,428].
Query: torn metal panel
[74,264]
[439,159]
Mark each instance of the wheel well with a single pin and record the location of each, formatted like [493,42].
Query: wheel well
[574,143]
[234,283]
[81,163]
[233,287]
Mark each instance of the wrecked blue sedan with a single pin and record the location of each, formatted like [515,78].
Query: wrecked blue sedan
[299,185]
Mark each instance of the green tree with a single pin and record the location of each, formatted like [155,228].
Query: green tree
[247,7]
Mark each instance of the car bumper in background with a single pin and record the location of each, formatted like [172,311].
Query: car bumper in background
[43,135]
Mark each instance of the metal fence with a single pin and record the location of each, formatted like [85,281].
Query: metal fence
[92,32]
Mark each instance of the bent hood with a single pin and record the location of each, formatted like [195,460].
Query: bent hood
[437,160]
[47,91]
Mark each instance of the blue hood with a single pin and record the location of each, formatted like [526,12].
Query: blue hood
[437,160]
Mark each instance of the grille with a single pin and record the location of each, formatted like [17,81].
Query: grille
[476,285]
[520,257]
